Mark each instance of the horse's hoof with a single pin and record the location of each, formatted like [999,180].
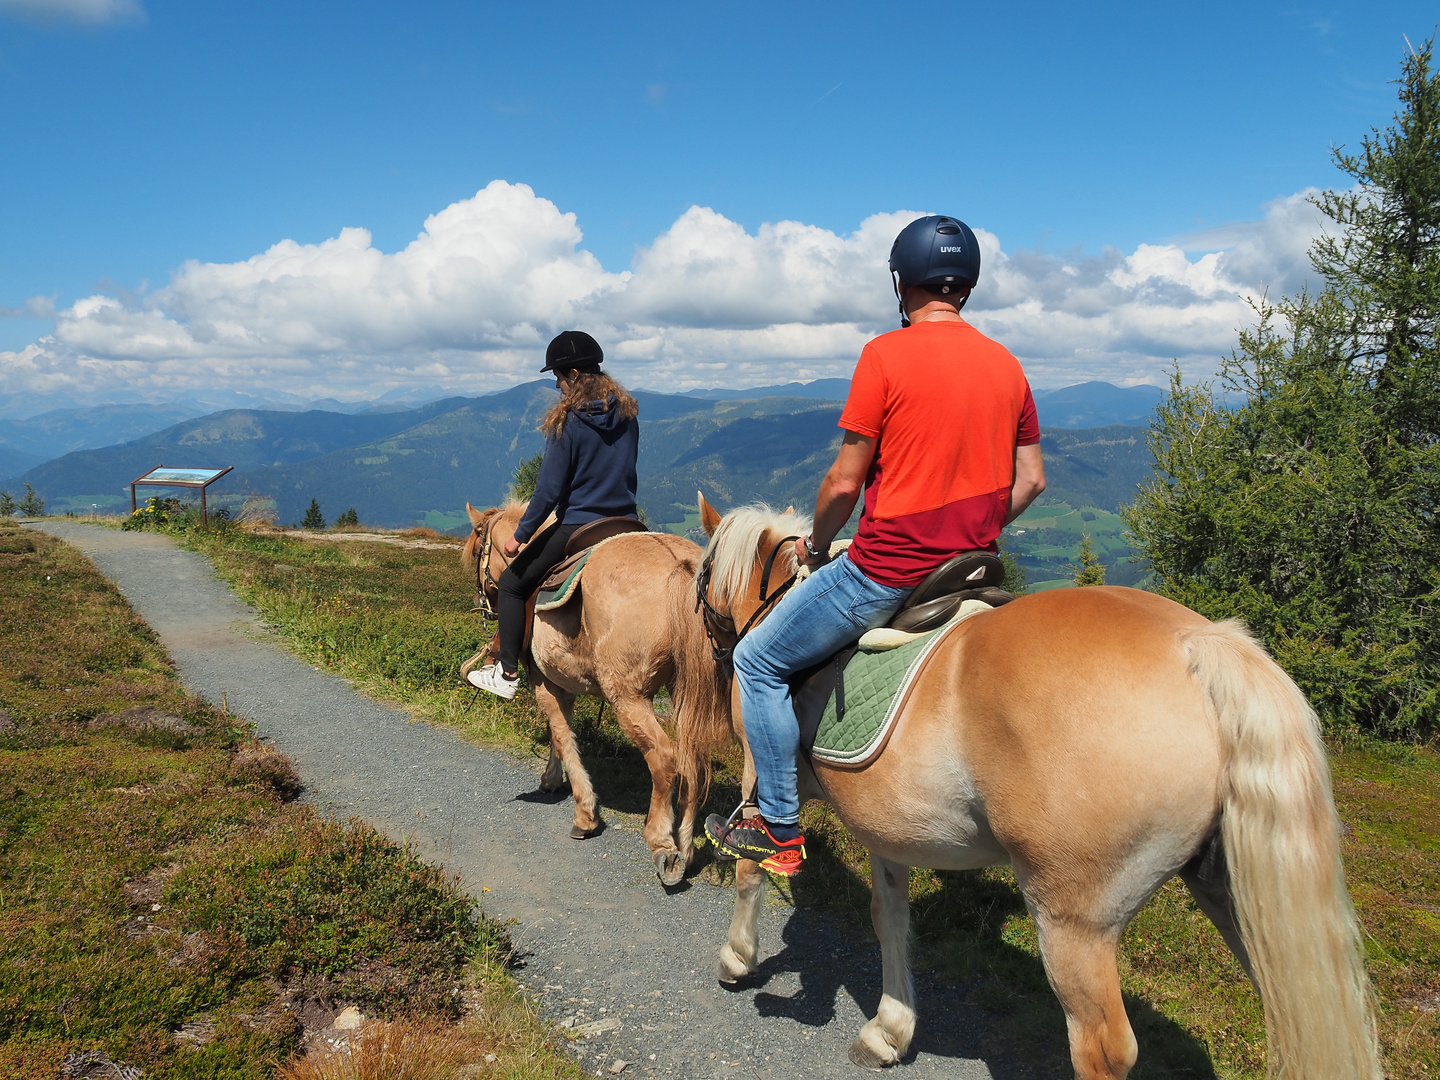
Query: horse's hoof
[578,833]
[732,968]
[868,1056]
[670,866]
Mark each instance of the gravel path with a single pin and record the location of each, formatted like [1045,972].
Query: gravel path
[604,941]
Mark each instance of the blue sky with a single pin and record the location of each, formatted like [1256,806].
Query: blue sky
[140,134]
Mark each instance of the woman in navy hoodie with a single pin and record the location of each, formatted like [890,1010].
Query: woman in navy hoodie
[592,438]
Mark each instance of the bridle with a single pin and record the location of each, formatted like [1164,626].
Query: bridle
[485,583]
[716,622]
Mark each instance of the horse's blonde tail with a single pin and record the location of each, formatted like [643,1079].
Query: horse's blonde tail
[701,692]
[1282,844]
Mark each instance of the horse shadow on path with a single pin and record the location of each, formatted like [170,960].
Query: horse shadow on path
[1008,1017]
[1000,1008]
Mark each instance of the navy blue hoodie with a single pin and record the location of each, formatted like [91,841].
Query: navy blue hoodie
[588,472]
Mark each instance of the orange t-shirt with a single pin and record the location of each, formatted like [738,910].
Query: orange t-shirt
[947,407]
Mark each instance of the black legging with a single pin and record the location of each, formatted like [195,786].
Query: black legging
[521,578]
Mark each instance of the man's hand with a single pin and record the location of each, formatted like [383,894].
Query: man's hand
[803,554]
[511,548]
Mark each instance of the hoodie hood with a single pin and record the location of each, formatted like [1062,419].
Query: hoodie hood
[588,471]
[603,416]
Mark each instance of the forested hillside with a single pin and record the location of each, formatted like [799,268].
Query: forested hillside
[422,465]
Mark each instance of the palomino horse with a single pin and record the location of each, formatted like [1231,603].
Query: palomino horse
[1100,741]
[631,631]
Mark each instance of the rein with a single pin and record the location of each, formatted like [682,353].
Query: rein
[718,623]
[487,584]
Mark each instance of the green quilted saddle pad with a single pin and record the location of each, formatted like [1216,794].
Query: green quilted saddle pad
[548,599]
[874,686]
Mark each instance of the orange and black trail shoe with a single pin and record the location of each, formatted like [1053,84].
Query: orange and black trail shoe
[750,838]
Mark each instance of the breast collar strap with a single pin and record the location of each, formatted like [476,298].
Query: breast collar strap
[716,622]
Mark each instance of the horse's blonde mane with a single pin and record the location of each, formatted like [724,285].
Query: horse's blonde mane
[511,510]
[732,550]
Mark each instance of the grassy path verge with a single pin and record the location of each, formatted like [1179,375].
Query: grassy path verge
[163,902]
[397,621]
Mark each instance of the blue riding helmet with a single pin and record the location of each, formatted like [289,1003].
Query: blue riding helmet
[940,253]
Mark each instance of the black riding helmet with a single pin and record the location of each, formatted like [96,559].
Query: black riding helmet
[940,253]
[573,349]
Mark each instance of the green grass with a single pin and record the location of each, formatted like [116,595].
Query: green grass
[155,876]
[398,622]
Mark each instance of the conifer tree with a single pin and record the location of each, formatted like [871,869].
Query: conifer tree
[1090,570]
[313,518]
[526,475]
[7,504]
[1310,510]
[32,505]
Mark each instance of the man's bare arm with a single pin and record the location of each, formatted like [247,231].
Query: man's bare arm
[1029,480]
[840,489]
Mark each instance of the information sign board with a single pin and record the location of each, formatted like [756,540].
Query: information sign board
[170,476]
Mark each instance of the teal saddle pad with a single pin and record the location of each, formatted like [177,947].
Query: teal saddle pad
[555,594]
[860,713]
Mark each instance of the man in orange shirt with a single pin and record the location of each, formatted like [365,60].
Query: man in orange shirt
[942,437]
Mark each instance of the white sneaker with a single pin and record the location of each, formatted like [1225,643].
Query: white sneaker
[489,678]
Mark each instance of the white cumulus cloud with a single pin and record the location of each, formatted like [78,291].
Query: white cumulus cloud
[470,303]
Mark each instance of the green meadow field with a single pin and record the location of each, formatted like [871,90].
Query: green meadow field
[1046,539]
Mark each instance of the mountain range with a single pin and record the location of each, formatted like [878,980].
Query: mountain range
[1082,405]
[402,466]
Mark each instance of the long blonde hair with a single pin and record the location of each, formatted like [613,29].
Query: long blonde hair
[587,386]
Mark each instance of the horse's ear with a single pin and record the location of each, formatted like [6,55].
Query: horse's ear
[790,509]
[709,516]
[476,516]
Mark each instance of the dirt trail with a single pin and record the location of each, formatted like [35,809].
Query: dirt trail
[604,941]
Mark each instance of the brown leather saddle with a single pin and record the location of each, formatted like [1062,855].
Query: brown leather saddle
[582,540]
[971,575]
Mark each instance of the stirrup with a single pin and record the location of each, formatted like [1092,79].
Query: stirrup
[739,811]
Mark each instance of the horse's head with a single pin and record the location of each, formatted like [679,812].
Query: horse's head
[485,549]
[749,564]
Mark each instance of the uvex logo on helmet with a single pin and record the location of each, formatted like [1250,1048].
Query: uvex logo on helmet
[937,251]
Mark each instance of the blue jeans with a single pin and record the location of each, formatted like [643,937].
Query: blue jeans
[816,619]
